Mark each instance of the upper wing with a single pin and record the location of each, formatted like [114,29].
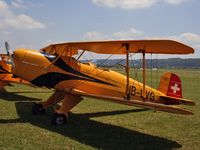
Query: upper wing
[137,103]
[117,47]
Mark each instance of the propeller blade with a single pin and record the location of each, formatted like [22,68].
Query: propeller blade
[7,48]
[9,53]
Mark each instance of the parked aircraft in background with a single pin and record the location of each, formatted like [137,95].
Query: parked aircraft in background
[6,77]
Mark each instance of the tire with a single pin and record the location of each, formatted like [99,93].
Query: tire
[38,109]
[59,119]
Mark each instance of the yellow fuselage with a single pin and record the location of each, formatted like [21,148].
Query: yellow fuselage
[67,73]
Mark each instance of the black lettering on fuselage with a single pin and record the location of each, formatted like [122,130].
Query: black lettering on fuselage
[150,95]
[134,92]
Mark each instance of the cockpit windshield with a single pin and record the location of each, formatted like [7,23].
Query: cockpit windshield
[49,56]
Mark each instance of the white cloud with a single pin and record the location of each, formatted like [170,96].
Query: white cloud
[175,2]
[132,33]
[134,4]
[191,38]
[4,9]
[94,35]
[23,4]
[125,4]
[9,19]
[3,5]
[18,4]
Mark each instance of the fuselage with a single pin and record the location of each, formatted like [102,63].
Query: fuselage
[63,72]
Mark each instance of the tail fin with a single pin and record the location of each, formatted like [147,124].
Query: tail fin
[170,85]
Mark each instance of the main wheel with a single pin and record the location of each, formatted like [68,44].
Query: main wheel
[59,119]
[38,109]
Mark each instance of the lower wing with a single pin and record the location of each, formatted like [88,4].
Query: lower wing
[137,103]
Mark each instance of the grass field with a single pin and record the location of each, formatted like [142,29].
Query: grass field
[95,124]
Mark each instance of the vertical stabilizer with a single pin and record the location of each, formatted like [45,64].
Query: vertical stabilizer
[170,84]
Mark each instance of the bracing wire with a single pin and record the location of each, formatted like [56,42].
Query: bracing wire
[92,55]
[134,66]
[151,70]
[157,69]
[80,83]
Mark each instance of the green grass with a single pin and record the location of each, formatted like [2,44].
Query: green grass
[97,124]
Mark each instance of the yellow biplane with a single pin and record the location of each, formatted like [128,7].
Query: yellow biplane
[55,67]
[6,77]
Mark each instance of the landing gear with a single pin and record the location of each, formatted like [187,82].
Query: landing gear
[59,119]
[60,114]
[38,109]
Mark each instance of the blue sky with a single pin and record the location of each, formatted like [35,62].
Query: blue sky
[34,24]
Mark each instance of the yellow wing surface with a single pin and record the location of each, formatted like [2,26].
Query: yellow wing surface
[118,47]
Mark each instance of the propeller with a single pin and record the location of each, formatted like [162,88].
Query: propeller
[9,52]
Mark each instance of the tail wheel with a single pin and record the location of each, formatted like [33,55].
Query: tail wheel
[59,119]
[38,109]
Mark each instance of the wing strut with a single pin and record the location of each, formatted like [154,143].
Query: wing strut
[144,73]
[80,55]
[127,96]
[127,71]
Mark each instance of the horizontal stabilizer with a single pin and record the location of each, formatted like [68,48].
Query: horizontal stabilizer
[174,100]
[137,103]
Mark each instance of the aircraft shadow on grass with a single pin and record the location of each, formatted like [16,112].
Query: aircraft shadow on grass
[93,133]
[13,96]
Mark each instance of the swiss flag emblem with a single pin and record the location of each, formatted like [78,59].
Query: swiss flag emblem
[175,87]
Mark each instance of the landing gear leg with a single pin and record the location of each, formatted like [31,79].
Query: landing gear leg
[60,116]
[39,108]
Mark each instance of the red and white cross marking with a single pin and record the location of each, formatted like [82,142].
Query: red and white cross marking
[175,88]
